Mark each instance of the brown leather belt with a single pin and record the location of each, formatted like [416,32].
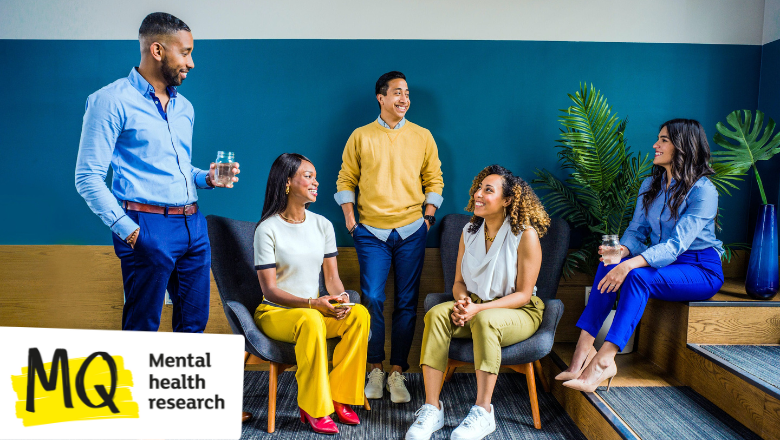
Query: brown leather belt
[154,209]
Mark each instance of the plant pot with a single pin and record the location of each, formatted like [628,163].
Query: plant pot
[605,329]
[762,275]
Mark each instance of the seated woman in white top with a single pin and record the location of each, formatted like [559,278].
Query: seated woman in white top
[291,245]
[494,297]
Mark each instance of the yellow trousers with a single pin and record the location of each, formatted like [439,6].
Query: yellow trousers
[490,329]
[308,329]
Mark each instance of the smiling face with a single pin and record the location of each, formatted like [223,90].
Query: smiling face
[396,102]
[664,149]
[489,198]
[303,186]
[177,58]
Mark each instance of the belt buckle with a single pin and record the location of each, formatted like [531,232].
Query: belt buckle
[186,207]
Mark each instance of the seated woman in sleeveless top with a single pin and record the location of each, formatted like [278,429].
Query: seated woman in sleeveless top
[494,297]
[676,210]
[291,245]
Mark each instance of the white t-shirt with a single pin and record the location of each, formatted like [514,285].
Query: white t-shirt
[296,251]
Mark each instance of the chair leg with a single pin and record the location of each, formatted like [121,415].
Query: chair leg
[273,376]
[366,405]
[531,380]
[542,378]
[246,357]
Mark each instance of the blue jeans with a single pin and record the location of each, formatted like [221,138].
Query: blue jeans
[172,252]
[694,276]
[375,257]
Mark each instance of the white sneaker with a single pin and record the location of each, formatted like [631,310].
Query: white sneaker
[376,379]
[398,391]
[477,424]
[429,420]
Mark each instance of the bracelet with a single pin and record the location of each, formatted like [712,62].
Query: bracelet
[344,293]
[353,229]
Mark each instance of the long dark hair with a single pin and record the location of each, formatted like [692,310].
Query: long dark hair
[525,209]
[691,162]
[283,168]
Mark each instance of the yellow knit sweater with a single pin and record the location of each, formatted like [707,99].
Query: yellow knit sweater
[390,168]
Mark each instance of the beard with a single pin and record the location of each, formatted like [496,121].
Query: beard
[170,74]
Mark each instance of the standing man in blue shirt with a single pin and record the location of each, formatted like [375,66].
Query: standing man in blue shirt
[142,127]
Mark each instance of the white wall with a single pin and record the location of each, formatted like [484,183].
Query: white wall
[651,21]
[771,21]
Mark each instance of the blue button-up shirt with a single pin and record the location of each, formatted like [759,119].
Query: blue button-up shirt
[149,150]
[694,229]
[431,198]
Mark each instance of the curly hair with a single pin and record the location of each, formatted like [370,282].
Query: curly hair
[525,208]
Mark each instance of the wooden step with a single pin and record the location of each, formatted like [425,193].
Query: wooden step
[667,328]
[598,418]
[731,317]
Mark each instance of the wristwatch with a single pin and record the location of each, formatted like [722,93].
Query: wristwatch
[431,219]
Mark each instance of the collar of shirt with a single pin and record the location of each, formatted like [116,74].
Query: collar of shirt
[144,88]
[384,124]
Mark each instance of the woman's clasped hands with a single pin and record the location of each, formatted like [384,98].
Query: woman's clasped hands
[463,310]
[324,306]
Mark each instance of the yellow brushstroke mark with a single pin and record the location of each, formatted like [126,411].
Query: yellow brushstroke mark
[50,406]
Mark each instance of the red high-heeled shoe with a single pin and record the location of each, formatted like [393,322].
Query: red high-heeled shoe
[320,425]
[345,414]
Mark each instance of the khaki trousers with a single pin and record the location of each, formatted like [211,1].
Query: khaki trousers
[490,329]
[308,329]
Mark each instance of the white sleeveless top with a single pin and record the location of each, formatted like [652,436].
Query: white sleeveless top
[493,274]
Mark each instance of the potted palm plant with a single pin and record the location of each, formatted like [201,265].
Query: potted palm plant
[600,193]
[742,148]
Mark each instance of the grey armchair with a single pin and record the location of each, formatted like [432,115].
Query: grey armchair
[232,262]
[524,356]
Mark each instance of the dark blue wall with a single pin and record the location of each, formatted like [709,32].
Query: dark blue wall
[769,103]
[484,101]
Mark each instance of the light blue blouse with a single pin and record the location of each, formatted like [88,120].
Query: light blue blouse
[694,229]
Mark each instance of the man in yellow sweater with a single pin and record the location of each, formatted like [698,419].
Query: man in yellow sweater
[390,161]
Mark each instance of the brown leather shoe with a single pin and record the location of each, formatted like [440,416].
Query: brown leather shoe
[245,416]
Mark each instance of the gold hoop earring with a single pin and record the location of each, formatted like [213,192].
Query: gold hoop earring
[287,190]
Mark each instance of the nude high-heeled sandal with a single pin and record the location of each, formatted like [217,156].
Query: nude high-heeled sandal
[569,376]
[580,385]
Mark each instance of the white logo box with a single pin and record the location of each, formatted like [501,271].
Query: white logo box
[224,378]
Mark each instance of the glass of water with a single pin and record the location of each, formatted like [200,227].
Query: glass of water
[223,174]
[610,249]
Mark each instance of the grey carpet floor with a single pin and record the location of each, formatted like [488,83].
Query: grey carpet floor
[762,361]
[387,420]
[673,413]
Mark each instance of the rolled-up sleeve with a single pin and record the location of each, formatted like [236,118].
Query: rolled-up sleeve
[702,207]
[100,130]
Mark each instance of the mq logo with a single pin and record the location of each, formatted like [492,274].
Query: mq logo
[102,385]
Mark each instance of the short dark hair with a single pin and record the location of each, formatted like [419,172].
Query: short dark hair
[161,23]
[382,84]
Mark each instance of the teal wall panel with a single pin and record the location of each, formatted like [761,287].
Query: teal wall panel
[484,101]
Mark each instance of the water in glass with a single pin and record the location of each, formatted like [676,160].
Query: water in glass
[610,249]
[223,174]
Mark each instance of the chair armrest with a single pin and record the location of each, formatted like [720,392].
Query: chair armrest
[256,342]
[433,299]
[553,311]
[354,297]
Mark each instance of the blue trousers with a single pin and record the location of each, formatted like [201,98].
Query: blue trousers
[172,252]
[375,257]
[694,276]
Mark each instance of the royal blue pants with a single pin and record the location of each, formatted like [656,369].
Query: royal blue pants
[694,276]
[172,252]
[406,257]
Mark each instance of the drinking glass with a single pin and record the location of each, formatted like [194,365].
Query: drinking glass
[223,174]
[610,249]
